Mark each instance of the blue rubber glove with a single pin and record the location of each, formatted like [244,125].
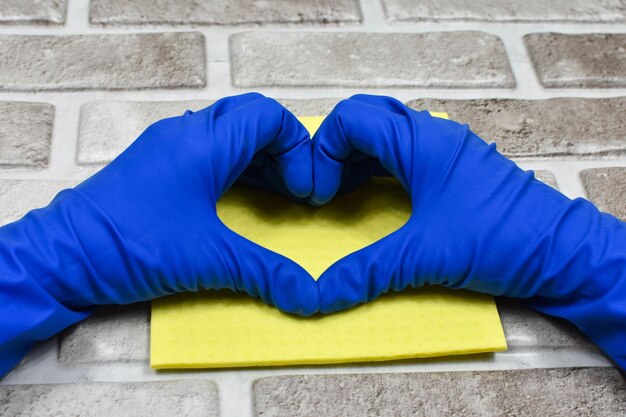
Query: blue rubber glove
[478,222]
[146,225]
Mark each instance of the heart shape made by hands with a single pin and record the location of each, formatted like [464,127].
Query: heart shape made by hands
[316,237]
[222,329]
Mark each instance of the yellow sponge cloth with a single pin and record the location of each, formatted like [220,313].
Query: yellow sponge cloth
[222,329]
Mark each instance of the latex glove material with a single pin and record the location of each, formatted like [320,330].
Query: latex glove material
[478,222]
[146,225]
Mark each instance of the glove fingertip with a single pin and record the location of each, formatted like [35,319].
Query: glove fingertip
[264,274]
[364,275]
[327,175]
[339,290]
[295,291]
[296,170]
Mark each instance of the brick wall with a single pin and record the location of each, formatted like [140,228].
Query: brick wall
[80,80]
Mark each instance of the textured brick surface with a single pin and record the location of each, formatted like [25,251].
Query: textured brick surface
[25,133]
[32,11]
[606,187]
[108,127]
[539,392]
[110,62]
[314,107]
[547,177]
[562,127]
[154,399]
[112,334]
[441,59]
[17,197]
[526,329]
[570,61]
[507,10]
[115,12]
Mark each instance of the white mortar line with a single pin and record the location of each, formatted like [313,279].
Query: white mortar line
[64,142]
[525,77]
[235,395]
[373,15]
[222,86]
[77,23]
[237,381]
[219,89]
[77,17]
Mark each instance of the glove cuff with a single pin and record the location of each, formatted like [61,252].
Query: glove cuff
[70,248]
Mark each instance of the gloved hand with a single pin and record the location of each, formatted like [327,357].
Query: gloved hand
[478,222]
[146,225]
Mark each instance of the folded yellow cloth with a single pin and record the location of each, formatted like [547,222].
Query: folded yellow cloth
[222,329]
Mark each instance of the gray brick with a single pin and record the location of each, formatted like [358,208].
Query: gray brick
[526,329]
[112,334]
[108,127]
[19,196]
[537,392]
[506,10]
[606,187]
[155,399]
[180,12]
[108,62]
[25,134]
[313,107]
[546,177]
[573,61]
[32,11]
[562,127]
[307,59]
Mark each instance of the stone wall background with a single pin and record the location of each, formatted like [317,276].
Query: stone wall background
[80,80]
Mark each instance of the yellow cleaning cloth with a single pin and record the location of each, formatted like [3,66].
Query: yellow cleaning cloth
[221,329]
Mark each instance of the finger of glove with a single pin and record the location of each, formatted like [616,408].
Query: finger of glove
[363,275]
[355,173]
[259,178]
[263,124]
[359,172]
[264,274]
[356,125]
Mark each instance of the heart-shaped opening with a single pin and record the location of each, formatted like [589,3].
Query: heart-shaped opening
[316,237]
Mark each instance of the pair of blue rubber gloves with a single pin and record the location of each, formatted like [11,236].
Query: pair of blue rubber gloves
[146,225]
